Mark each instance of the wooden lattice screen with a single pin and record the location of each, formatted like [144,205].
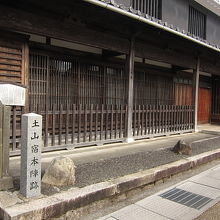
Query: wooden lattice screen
[85,102]
[70,81]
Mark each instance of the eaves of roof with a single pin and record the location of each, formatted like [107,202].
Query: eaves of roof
[137,15]
[212,5]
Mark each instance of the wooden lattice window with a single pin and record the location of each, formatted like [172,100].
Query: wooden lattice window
[150,7]
[197,23]
[62,80]
[151,87]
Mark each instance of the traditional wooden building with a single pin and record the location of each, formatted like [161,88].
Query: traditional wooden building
[102,71]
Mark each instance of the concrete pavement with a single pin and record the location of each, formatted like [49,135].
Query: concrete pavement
[183,201]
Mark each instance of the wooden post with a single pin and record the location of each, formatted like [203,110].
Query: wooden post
[1,141]
[130,72]
[195,90]
[25,73]
[5,180]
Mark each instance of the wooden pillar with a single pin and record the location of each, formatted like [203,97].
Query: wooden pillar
[25,73]
[195,90]
[5,180]
[130,73]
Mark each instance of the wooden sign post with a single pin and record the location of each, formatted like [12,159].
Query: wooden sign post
[5,180]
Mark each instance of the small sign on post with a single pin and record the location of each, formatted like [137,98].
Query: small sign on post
[31,144]
[10,95]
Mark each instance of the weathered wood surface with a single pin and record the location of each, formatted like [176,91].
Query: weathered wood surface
[130,73]
[32,23]
[204,105]
[195,90]
[162,49]
[95,124]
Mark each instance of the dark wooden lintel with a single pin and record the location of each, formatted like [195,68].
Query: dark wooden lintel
[45,26]
[150,52]
[108,54]
[178,68]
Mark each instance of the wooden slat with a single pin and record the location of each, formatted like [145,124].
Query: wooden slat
[46,128]
[96,122]
[67,125]
[10,56]
[10,50]
[121,121]
[10,68]
[146,119]
[73,123]
[60,124]
[139,120]
[6,61]
[116,120]
[91,123]
[150,124]
[102,121]
[106,123]
[79,122]
[135,120]
[85,123]
[10,73]
[53,125]
[112,121]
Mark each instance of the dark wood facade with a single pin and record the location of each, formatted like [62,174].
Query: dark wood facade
[139,85]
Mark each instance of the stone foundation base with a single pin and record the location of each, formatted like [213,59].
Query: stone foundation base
[129,140]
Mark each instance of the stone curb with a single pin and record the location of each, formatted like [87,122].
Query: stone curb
[59,204]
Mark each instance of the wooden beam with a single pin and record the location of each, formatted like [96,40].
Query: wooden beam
[25,21]
[178,68]
[63,30]
[195,90]
[147,51]
[130,72]
[209,66]
[109,54]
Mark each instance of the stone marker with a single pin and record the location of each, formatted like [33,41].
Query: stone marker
[31,144]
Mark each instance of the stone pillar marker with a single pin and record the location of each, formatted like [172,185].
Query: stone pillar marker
[31,144]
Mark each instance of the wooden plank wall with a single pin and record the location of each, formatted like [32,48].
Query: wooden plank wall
[204,105]
[11,62]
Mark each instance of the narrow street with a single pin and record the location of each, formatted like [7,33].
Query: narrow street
[109,109]
[180,197]
[185,200]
